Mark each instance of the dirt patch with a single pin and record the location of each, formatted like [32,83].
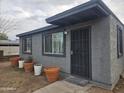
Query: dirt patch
[119,88]
[14,80]
[98,90]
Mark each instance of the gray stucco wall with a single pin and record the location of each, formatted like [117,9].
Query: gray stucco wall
[100,50]
[117,64]
[63,62]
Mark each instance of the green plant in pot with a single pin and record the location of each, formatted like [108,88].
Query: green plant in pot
[28,64]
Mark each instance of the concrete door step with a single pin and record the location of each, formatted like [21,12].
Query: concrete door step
[77,80]
[63,87]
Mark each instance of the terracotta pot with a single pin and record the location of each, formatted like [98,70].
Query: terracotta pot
[52,73]
[28,66]
[14,61]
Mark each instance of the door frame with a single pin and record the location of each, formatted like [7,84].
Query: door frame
[90,52]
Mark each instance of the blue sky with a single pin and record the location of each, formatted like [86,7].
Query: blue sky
[31,14]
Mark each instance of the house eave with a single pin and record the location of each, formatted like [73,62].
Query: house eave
[37,30]
[81,13]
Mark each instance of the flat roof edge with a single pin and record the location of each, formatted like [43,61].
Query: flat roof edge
[71,11]
[8,44]
[90,4]
[77,9]
[109,10]
[94,3]
[54,18]
[38,30]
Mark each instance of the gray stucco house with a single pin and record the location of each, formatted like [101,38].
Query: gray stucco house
[85,41]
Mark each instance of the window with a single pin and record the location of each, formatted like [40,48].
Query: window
[27,45]
[54,43]
[119,42]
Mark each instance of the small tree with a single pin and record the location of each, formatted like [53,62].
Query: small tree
[3,36]
[7,23]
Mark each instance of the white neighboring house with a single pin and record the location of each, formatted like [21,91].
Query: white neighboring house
[9,48]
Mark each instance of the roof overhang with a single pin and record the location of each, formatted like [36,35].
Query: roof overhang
[38,30]
[88,11]
[85,12]
[8,42]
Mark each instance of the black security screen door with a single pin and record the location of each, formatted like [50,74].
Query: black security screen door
[80,53]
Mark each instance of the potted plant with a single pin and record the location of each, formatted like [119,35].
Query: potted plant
[52,73]
[37,69]
[21,63]
[28,64]
[14,61]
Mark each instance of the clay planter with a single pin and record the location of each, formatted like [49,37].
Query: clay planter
[28,66]
[14,61]
[52,73]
